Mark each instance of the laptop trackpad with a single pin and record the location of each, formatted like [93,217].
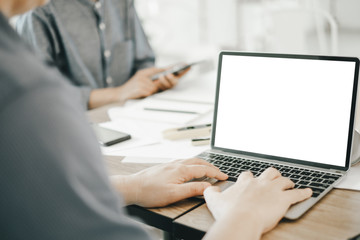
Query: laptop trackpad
[221,184]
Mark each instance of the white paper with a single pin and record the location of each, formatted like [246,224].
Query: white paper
[180,149]
[137,138]
[134,159]
[138,127]
[134,142]
[352,179]
[137,110]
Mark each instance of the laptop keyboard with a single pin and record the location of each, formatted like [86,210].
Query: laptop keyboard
[303,178]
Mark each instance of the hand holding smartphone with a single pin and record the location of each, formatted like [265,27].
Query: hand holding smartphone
[176,70]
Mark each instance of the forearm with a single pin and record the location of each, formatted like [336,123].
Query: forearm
[104,96]
[235,226]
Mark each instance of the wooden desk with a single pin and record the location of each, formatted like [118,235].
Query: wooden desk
[336,216]
[161,218]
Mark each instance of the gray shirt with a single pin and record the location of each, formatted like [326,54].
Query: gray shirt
[96,45]
[53,183]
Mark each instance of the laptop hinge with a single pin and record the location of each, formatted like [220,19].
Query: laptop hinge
[337,171]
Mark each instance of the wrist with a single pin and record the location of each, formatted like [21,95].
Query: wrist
[249,220]
[242,224]
[127,186]
[100,97]
[119,94]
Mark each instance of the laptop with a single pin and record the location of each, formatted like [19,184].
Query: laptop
[292,112]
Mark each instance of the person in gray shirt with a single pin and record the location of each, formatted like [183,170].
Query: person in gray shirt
[52,180]
[99,45]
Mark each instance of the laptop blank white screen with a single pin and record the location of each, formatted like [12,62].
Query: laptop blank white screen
[292,108]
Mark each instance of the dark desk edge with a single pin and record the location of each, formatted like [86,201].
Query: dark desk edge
[150,218]
[185,232]
[155,219]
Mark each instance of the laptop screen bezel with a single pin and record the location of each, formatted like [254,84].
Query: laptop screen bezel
[293,56]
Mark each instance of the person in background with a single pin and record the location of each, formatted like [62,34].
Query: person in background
[99,45]
[54,185]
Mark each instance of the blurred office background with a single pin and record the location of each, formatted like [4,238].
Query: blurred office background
[194,29]
[188,30]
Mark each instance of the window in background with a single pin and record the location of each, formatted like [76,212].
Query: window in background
[178,29]
[188,29]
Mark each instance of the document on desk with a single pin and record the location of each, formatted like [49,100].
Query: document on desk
[134,159]
[138,138]
[352,179]
[179,149]
[159,110]
[145,149]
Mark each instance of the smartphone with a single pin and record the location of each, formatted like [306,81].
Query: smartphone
[107,137]
[176,70]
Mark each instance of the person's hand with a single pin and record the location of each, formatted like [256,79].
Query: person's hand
[266,198]
[140,85]
[170,80]
[167,183]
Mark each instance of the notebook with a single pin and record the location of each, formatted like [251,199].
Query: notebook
[292,112]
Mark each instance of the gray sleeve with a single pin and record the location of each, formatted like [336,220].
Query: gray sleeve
[36,29]
[53,182]
[144,55]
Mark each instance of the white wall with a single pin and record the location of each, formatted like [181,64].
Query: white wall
[188,29]
[179,29]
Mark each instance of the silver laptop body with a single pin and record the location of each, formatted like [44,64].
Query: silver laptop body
[286,111]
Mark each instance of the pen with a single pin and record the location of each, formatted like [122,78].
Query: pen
[200,141]
[196,131]
[169,110]
[194,127]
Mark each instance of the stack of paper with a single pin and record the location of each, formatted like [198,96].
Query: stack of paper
[179,149]
[159,110]
[147,144]
[139,137]
[190,102]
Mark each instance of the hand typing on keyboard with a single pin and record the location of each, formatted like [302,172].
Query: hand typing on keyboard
[166,183]
[252,206]
[318,181]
